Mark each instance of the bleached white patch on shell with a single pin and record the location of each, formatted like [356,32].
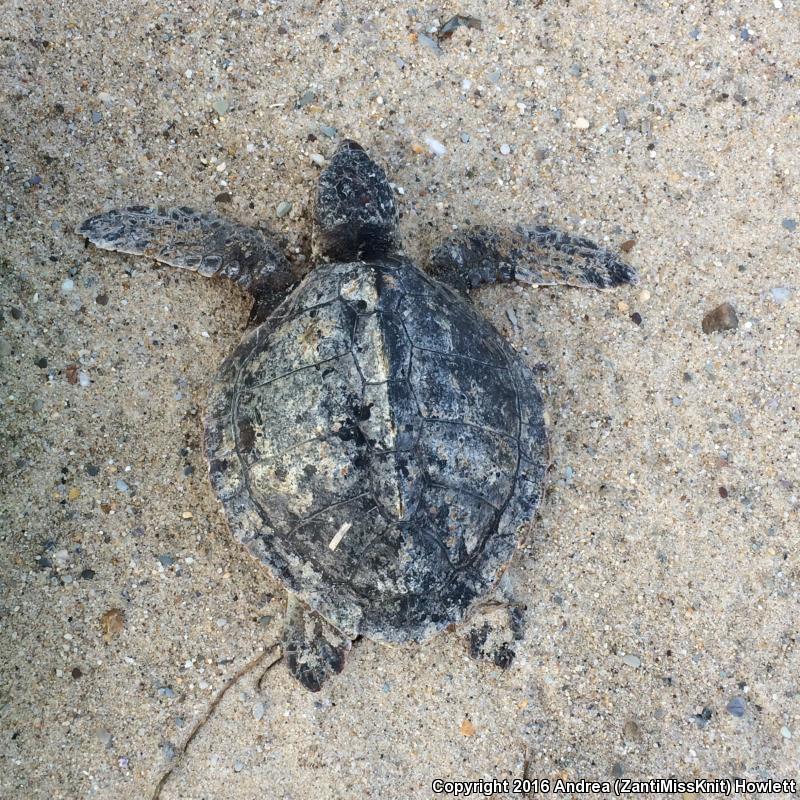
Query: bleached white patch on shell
[360,290]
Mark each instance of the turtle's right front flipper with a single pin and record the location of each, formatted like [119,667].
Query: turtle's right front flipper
[198,241]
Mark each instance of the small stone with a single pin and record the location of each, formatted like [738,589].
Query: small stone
[318,159]
[166,560]
[76,673]
[105,737]
[722,318]
[623,307]
[575,70]
[617,770]
[505,149]
[84,380]
[465,137]
[636,318]
[258,711]
[627,245]
[88,575]
[166,691]
[122,486]
[447,30]
[632,661]
[60,558]
[786,733]
[704,717]
[74,493]
[790,224]
[435,146]
[631,730]
[92,470]
[67,286]
[780,294]
[220,106]
[467,728]
[238,766]
[112,622]
[283,209]
[736,706]
[101,299]
[431,44]
[186,515]
[96,117]
[41,363]
[644,296]
[329,131]
[306,99]
[582,123]
[723,492]
[224,197]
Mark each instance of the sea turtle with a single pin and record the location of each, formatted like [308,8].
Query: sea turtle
[373,439]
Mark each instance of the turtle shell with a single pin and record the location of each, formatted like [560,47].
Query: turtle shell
[377,445]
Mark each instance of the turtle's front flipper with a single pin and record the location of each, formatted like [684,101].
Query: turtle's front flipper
[314,649]
[539,256]
[201,242]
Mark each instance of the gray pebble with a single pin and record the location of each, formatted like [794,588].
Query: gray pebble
[122,486]
[575,70]
[780,294]
[786,733]
[238,766]
[38,404]
[505,149]
[632,661]
[258,711]
[166,560]
[318,159]
[96,117]
[306,98]
[328,131]
[617,770]
[465,137]
[67,286]
[790,224]
[166,691]
[283,208]
[168,750]
[569,474]
[220,106]
[431,44]
[736,706]
[105,737]
[622,117]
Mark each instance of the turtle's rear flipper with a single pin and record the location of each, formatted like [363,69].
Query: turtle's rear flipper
[314,649]
[494,632]
[198,241]
[539,256]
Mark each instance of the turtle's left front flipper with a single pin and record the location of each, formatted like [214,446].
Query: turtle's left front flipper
[198,241]
[538,256]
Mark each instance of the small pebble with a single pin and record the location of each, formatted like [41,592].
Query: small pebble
[96,117]
[723,492]
[41,363]
[92,470]
[83,379]
[166,691]
[431,44]
[166,560]
[88,575]
[283,208]
[644,296]
[67,286]
[328,131]
[122,486]
[318,159]
[786,733]
[238,766]
[505,149]
[790,224]
[76,673]
[465,137]
[722,318]
[101,299]
[582,123]
[636,317]
[258,711]
[630,730]
[617,770]
[632,661]
[220,106]
[435,146]
[780,294]
[736,706]
[105,737]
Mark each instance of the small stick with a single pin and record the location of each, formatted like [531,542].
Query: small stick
[334,543]
[211,709]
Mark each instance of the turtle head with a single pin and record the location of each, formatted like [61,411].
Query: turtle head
[355,216]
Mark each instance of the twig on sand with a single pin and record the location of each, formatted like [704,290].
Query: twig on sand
[249,667]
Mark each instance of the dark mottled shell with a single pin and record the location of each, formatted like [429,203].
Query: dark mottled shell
[377,444]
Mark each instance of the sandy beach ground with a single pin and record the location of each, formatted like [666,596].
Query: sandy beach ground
[661,577]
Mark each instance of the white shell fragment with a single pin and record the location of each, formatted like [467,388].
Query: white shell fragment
[334,543]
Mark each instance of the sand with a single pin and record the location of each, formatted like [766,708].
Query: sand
[661,577]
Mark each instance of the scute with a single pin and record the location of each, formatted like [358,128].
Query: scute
[378,445]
